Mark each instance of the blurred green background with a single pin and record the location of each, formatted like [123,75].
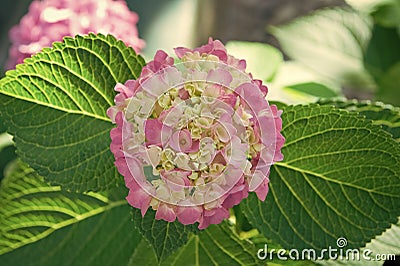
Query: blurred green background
[165,24]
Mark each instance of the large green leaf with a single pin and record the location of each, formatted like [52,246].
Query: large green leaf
[340,178]
[331,42]
[217,245]
[381,114]
[262,60]
[164,237]
[55,106]
[388,117]
[42,225]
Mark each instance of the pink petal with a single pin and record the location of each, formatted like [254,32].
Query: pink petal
[176,179]
[181,51]
[152,131]
[251,96]
[237,63]
[204,222]
[229,99]
[262,190]
[220,76]
[161,60]
[165,212]
[212,47]
[214,217]
[140,199]
[181,141]
[183,94]
[219,215]
[189,214]
[195,146]
[116,137]
[235,198]
[215,48]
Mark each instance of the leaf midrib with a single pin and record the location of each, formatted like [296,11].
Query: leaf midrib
[297,169]
[55,107]
[307,157]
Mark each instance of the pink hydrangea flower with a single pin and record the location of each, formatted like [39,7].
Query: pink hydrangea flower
[195,137]
[50,20]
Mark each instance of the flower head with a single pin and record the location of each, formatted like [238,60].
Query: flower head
[50,20]
[193,138]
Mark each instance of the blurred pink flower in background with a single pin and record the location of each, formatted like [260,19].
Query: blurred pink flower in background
[50,20]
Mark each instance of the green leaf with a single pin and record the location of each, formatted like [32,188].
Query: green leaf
[242,225]
[262,60]
[164,237]
[385,12]
[217,245]
[148,172]
[331,42]
[292,74]
[7,155]
[314,89]
[5,141]
[42,225]
[144,255]
[389,86]
[276,261]
[379,113]
[3,128]
[7,149]
[340,178]
[388,15]
[383,61]
[55,106]
[7,152]
[383,51]
[367,6]
[387,244]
